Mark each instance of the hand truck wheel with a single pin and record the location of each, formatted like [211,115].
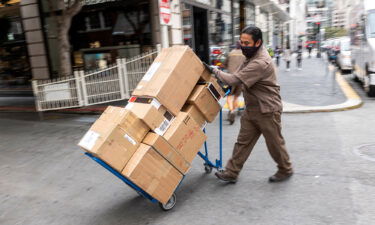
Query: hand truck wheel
[207,168]
[170,204]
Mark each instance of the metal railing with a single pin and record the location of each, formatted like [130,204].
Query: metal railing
[113,83]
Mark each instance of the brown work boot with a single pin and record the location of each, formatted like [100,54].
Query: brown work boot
[278,177]
[226,176]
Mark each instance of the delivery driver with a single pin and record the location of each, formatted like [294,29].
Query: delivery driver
[262,114]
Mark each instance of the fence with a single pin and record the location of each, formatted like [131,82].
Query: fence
[113,83]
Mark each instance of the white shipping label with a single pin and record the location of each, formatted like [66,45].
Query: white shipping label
[151,71]
[139,86]
[88,141]
[131,140]
[129,105]
[163,127]
[155,103]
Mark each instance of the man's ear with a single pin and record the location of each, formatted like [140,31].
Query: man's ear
[258,43]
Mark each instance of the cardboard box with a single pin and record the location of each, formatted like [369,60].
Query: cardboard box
[205,102]
[151,172]
[125,119]
[216,88]
[167,151]
[205,76]
[171,77]
[153,114]
[185,135]
[193,111]
[115,143]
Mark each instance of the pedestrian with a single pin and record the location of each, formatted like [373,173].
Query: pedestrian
[299,57]
[287,57]
[232,63]
[309,48]
[278,52]
[263,107]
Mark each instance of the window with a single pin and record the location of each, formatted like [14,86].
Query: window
[371,24]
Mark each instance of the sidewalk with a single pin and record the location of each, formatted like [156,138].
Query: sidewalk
[315,88]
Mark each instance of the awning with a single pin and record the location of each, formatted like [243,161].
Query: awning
[271,7]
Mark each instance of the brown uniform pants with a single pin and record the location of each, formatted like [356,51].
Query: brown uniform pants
[253,124]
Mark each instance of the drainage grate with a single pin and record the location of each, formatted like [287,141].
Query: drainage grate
[366,151]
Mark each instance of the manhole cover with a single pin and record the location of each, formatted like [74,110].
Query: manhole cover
[366,151]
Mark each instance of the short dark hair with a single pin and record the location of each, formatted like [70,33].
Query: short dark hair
[255,32]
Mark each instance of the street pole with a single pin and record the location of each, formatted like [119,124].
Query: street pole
[164,36]
[318,55]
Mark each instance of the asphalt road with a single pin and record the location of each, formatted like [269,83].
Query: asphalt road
[46,179]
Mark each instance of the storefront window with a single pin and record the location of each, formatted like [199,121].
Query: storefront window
[250,14]
[187,25]
[236,20]
[219,28]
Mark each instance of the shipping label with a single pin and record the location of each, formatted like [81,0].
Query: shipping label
[163,127]
[129,105]
[88,141]
[155,103]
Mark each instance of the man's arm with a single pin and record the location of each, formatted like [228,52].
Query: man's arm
[227,78]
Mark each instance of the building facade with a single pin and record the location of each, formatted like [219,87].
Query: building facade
[104,30]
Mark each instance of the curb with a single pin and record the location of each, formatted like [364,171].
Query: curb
[353,101]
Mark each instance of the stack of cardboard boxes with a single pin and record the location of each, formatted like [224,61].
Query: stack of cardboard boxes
[154,139]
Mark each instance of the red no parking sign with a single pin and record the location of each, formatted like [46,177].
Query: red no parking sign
[165,12]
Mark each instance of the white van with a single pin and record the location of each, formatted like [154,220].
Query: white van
[362,34]
[344,56]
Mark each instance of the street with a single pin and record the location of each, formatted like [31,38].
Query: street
[47,179]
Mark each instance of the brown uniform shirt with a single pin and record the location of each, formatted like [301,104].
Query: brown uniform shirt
[260,89]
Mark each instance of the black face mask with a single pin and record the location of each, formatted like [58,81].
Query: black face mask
[249,51]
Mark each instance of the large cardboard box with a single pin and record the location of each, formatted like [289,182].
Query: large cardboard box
[205,76]
[167,151]
[185,135]
[125,119]
[171,77]
[151,112]
[151,172]
[193,111]
[115,143]
[205,102]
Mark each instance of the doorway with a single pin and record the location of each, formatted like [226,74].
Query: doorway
[201,33]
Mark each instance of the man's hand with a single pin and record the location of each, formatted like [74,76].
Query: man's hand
[210,68]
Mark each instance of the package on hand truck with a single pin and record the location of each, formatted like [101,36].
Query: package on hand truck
[170,108]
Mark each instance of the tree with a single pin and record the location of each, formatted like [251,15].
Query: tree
[332,32]
[63,11]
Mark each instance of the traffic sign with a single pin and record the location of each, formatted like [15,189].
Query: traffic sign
[165,12]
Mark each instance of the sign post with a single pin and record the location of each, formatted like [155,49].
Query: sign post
[165,21]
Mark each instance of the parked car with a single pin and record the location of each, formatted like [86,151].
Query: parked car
[344,55]
[332,50]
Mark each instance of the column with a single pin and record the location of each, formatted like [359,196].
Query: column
[270,30]
[176,28]
[35,39]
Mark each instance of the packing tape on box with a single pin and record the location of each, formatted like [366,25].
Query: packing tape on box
[131,140]
[151,71]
